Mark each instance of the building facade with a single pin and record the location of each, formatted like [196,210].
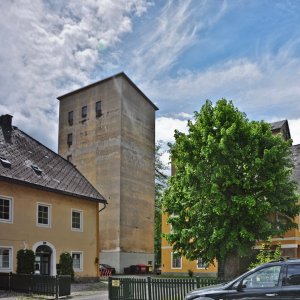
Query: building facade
[107,129]
[46,205]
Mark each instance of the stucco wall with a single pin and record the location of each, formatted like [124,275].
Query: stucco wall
[25,233]
[166,259]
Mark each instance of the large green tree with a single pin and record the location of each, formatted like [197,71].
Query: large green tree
[160,185]
[232,186]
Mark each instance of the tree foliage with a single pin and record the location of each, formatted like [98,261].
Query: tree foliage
[25,261]
[66,264]
[267,253]
[232,185]
[160,185]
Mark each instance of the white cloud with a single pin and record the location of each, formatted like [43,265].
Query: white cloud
[262,88]
[165,128]
[294,125]
[173,31]
[52,47]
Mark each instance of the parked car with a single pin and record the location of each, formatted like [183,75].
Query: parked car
[275,280]
[104,267]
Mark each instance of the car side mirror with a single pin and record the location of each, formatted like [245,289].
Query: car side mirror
[240,286]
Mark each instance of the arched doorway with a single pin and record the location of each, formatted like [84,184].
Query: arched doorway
[43,260]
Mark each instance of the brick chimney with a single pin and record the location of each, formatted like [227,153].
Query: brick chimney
[5,121]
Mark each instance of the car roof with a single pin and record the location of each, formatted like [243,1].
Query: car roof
[283,261]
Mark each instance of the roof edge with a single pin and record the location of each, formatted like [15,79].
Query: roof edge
[53,190]
[121,74]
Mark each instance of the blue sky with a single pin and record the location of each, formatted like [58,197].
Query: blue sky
[180,53]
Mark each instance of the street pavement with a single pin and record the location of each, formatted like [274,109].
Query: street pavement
[79,291]
[102,295]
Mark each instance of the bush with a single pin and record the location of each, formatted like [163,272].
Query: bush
[66,265]
[25,261]
[191,273]
[267,253]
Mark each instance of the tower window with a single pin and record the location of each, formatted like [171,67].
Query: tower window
[84,112]
[70,139]
[98,109]
[70,117]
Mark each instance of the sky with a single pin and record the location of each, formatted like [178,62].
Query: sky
[179,53]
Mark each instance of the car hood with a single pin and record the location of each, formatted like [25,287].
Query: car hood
[213,289]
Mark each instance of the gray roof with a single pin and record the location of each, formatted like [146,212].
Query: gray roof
[277,125]
[26,161]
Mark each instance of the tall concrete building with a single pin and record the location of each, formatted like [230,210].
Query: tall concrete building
[107,130]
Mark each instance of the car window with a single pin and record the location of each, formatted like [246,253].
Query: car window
[266,277]
[292,275]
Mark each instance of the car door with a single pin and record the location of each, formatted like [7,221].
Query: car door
[261,284]
[291,282]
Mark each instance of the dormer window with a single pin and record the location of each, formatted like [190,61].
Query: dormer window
[84,112]
[70,139]
[5,162]
[98,109]
[36,169]
[70,117]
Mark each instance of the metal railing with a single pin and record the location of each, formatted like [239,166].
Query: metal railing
[134,288]
[59,285]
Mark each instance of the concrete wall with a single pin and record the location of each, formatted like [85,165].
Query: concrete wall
[137,172]
[115,152]
[23,232]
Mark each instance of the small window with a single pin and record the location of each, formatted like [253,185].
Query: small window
[201,264]
[5,210]
[98,109]
[44,215]
[36,169]
[70,139]
[5,259]
[176,260]
[69,158]
[77,220]
[5,162]
[70,117]
[84,112]
[77,261]
[293,275]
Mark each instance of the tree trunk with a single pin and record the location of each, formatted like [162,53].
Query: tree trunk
[231,266]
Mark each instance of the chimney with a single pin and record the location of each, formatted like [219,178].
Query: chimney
[5,121]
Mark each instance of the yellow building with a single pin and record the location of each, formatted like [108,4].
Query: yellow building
[173,263]
[290,243]
[46,205]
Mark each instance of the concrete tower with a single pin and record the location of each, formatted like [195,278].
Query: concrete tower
[107,130]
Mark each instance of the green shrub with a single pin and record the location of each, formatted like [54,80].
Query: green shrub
[66,265]
[25,261]
[267,253]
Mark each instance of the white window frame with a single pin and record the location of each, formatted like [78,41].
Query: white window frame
[10,268]
[80,269]
[49,215]
[81,220]
[11,210]
[175,268]
[201,268]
